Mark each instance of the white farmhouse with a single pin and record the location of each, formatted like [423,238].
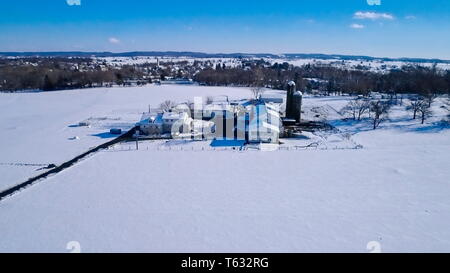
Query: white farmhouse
[165,123]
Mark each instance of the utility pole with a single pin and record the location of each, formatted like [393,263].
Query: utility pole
[137,139]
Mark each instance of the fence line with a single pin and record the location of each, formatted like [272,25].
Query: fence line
[121,148]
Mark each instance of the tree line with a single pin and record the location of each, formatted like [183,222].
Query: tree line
[328,79]
[62,73]
[65,73]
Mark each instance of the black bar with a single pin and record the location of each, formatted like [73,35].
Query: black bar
[186,263]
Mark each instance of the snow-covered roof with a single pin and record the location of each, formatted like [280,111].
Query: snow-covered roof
[174,115]
[151,118]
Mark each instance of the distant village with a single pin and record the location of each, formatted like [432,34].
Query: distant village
[19,74]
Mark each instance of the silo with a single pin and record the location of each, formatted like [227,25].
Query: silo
[293,103]
[297,106]
[290,100]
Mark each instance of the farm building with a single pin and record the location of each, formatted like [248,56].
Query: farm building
[253,121]
[164,123]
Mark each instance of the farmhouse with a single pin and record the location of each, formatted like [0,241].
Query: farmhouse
[164,122]
[253,121]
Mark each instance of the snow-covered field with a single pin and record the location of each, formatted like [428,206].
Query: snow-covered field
[355,186]
[40,128]
[372,65]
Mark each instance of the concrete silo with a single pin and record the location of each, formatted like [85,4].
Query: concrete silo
[293,103]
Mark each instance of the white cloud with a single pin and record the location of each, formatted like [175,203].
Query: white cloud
[410,17]
[357,26]
[373,15]
[73,2]
[113,40]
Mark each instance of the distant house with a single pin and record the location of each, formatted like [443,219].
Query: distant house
[151,124]
[165,123]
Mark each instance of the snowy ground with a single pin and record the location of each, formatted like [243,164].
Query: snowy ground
[39,128]
[179,196]
[373,65]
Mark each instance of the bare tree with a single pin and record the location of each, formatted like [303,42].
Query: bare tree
[357,108]
[425,111]
[257,92]
[414,106]
[363,107]
[349,109]
[380,111]
[429,98]
[167,105]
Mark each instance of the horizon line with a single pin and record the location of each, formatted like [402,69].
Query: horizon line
[68,52]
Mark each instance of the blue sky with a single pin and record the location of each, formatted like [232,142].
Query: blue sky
[396,28]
